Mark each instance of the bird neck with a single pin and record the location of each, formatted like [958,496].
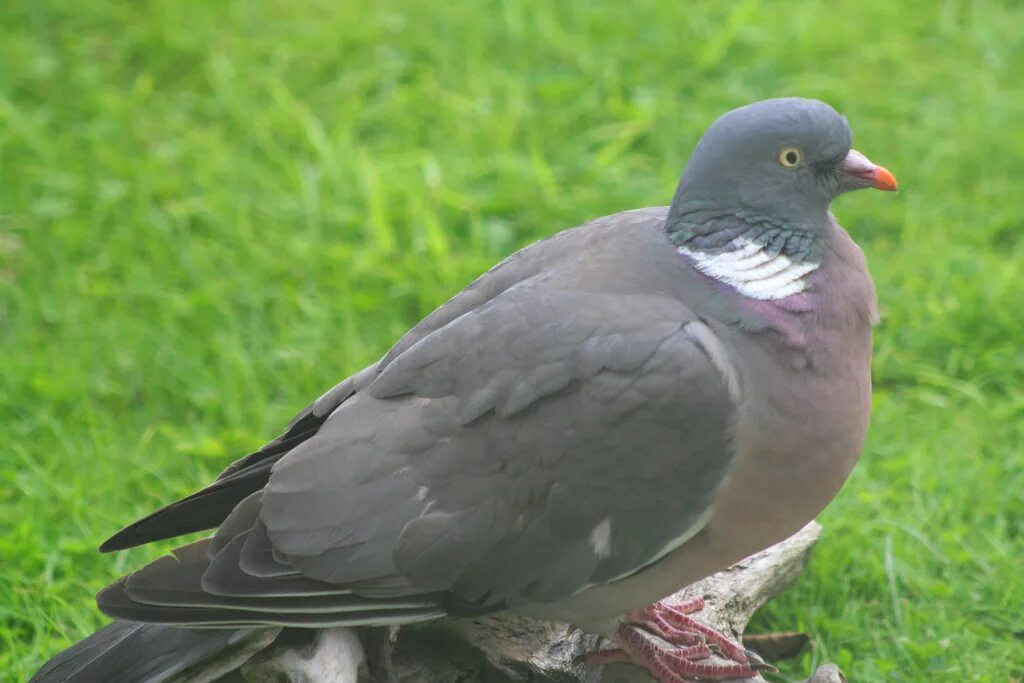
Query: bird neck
[759,256]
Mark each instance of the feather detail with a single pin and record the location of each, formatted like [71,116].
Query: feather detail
[753,270]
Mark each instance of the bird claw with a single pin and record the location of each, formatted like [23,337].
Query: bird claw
[677,615]
[666,641]
[756,662]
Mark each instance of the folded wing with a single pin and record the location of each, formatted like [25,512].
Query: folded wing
[543,441]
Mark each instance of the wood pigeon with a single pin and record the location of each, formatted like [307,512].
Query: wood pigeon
[603,417]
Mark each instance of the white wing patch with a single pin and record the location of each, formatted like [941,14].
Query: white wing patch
[703,335]
[752,270]
[601,538]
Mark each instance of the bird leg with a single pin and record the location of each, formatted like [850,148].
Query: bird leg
[668,642]
[681,625]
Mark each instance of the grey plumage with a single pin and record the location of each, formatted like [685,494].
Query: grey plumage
[566,428]
[126,651]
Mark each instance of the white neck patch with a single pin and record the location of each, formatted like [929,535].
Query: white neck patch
[752,270]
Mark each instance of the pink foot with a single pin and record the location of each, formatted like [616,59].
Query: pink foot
[669,643]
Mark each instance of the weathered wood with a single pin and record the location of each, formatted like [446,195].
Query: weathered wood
[510,649]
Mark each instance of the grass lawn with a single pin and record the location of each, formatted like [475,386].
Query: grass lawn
[212,211]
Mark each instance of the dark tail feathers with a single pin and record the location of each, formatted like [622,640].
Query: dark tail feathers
[128,652]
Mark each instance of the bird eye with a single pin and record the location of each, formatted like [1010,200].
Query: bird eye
[790,157]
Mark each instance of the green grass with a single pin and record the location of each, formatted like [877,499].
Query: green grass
[211,211]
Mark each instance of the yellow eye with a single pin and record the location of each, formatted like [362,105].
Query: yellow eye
[790,157]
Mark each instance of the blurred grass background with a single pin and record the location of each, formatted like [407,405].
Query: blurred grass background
[212,211]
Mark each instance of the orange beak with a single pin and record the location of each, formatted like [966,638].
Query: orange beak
[857,172]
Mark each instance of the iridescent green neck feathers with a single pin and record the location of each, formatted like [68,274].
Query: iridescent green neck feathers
[760,257]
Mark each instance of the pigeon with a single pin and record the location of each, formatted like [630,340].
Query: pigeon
[604,417]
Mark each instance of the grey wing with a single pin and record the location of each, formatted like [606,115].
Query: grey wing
[545,441]
[542,442]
